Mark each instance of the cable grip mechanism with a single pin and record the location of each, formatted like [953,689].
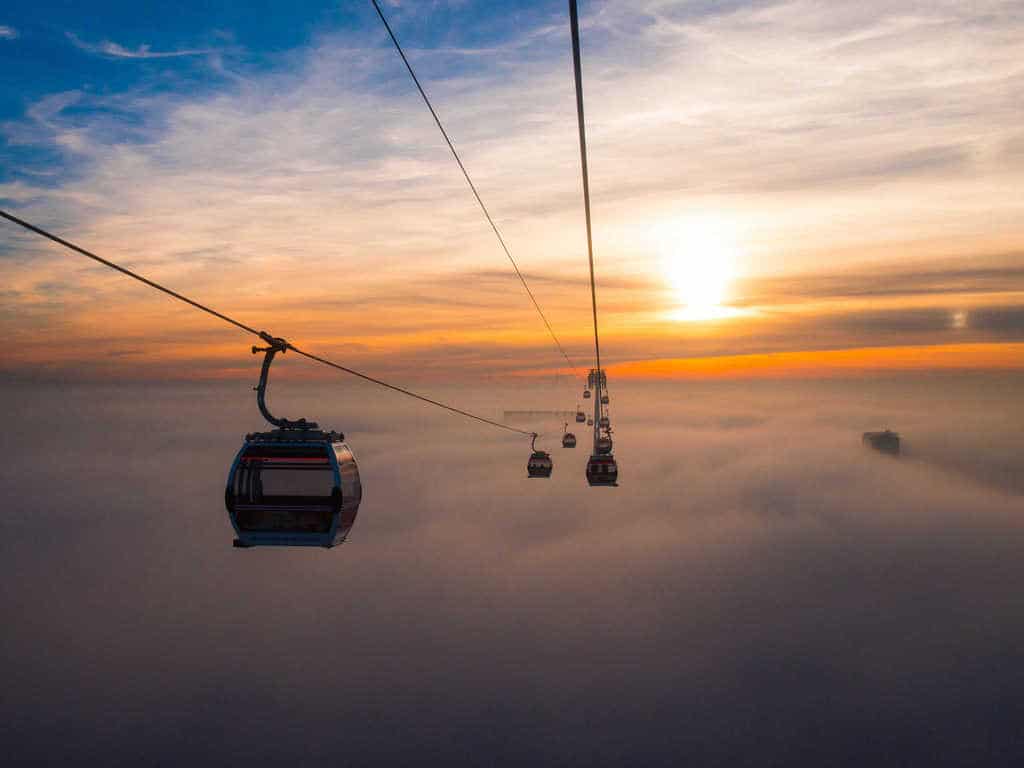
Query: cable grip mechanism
[275,344]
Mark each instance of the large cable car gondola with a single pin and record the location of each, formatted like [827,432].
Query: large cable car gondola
[539,464]
[296,485]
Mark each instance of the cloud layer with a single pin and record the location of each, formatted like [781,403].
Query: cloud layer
[759,590]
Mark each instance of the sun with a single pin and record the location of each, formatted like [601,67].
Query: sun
[699,256]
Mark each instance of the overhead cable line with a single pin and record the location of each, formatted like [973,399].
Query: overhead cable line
[472,186]
[577,72]
[249,329]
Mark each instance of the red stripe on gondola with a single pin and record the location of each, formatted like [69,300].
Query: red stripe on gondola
[288,459]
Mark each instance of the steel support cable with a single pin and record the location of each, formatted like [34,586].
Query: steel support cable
[472,186]
[577,72]
[249,329]
[125,271]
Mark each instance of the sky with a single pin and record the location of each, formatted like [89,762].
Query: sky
[780,188]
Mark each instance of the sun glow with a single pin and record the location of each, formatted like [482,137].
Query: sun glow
[699,257]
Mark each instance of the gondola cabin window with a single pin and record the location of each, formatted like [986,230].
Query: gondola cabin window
[285,493]
[352,488]
[295,479]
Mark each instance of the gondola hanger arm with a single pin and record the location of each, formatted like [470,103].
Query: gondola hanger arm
[275,344]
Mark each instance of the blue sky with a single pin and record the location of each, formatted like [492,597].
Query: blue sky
[105,48]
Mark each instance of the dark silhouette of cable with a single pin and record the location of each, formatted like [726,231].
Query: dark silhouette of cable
[578,73]
[125,271]
[407,392]
[249,329]
[472,186]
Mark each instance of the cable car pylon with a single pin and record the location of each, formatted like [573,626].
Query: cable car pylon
[602,468]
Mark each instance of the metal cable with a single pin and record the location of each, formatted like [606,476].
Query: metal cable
[250,329]
[124,271]
[472,186]
[577,72]
[405,391]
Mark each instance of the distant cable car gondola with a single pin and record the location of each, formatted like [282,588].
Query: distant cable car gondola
[539,464]
[568,439]
[590,422]
[604,399]
[602,470]
[296,485]
[586,394]
[604,422]
[603,445]
[886,441]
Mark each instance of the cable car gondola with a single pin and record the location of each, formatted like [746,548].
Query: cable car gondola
[604,399]
[602,470]
[603,445]
[590,421]
[586,394]
[296,485]
[539,464]
[568,439]
[604,422]
[580,416]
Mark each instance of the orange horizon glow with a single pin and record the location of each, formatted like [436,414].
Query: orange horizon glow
[831,363]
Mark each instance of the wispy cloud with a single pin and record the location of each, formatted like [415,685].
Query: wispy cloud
[824,140]
[7,33]
[108,48]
